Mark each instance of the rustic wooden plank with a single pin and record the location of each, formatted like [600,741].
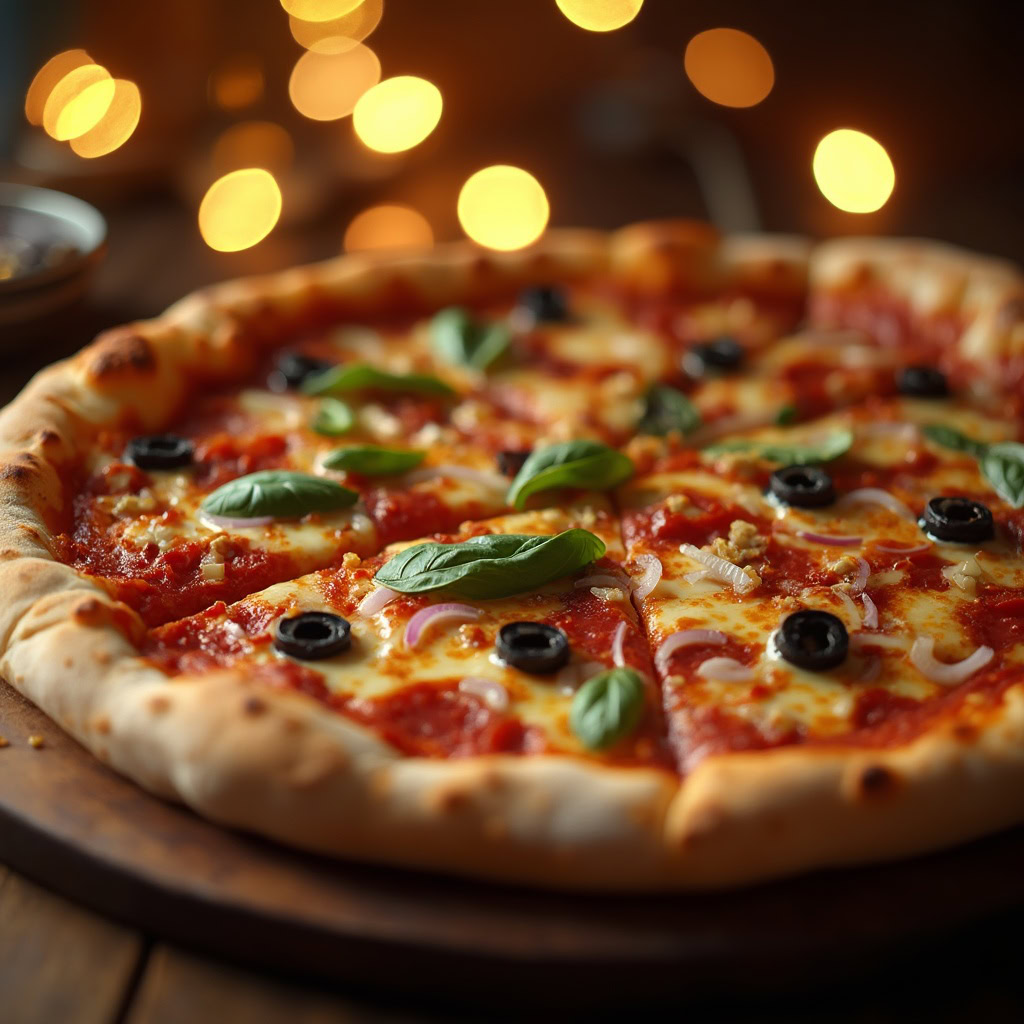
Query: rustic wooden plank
[177,986]
[59,962]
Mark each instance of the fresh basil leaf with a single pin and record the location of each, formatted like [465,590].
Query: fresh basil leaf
[832,447]
[363,377]
[492,565]
[607,707]
[947,437]
[459,339]
[665,410]
[786,415]
[333,418]
[1003,466]
[587,464]
[372,460]
[280,493]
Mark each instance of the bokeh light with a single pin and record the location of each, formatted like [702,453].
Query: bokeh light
[116,126]
[326,86]
[319,10]
[77,102]
[239,209]
[729,67]
[338,34]
[388,227]
[503,207]
[237,83]
[253,144]
[397,114]
[853,171]
[600,15]
[47,77]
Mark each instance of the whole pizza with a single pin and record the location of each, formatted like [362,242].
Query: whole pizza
[652,559]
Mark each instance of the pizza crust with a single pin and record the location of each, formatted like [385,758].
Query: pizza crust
[280,765]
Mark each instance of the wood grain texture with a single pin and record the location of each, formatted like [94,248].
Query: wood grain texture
[59,962]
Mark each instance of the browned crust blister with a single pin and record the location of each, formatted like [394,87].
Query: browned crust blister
[281,765]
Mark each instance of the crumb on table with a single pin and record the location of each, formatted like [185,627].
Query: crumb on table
[35,740]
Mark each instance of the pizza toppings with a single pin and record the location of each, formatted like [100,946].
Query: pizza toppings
[589,465]
[829,448]
[544,304]
[667,410]
[373,460]
[812,640]
[922,382]
[491,692]
[435,614]
[334,418]
[532,647]
[875,496]
[277,493]
[723,355]
[607,708]
[312,636]
[686,638]
[802,486]
[510,461]
[947,673]
[355,377]
[293,369]
[375,600]
[957,519]
[652,573]
[722,570]
[159,451]
[1002,464]
[728,670]
[459,339]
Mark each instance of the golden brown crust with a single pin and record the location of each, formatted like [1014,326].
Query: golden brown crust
[281,765]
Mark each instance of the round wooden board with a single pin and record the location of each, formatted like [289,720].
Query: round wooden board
[82,830]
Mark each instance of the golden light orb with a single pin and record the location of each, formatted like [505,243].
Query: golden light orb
[729,67]
[116,126]
[326,86]
[388,227]
[853,171]
[503,207]
[239,209]
[47,77]
[77,102]
[600,15]
[397,114]
[319,10]
[338,34]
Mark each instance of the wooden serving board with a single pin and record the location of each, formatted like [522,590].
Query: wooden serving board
[73,825]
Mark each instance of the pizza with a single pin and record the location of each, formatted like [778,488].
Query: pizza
[646,560]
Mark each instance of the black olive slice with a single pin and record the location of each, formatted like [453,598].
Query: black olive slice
[510,462]
[544,304]
[293,368]
[958,519]
[723,355]
[313,635]
[160,451]
[532,647]
[922,382]
[802,486]
[813,640]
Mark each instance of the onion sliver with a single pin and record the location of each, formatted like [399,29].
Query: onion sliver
[863,572]
[492,693]
[603,580]
[686,638]
[239,522]
[829,540]
[719,569]
[478,476]
[430,616]
[875,496]
[375,600]
[870,620]
[728,670]
[946,673]
[618,654]
[889,549]
[653,569]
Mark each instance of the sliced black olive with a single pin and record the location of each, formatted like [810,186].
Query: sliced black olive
[544,304]
[510,462]
[958,519]
[802,486]
[293,368]
[723,355]
[160,451]
[816,641]
[532,647]
[313,635]
[922,382]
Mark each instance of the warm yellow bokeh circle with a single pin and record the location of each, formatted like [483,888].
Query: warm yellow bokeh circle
[239,209]
[853,171]
[503,207]
[397,114]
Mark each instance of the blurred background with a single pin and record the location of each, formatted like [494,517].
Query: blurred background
[227,137]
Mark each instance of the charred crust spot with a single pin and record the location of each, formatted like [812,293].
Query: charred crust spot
[159,704]
[16,472]
[102,725]
[68,661]
[90,612]
[877,780]
[254,706]
[965,732]
[47,436]
[121,352]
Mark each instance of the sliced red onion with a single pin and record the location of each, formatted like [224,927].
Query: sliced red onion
[477,476]
[860,640]
[719,569]
[492,693]
[685,638]
[618,653]
[375,600]
[830,540]
[890,549]
[652,573]
[875,496]
[433,614]
[727,670]
[870,620]
[946,673]
[239,522]
[861,579]
[848,602]
[603,580]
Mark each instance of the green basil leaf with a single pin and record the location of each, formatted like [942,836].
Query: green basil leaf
[372,460]
[459,339]
[607,707]
[666,410]
[1003,466]
[587,464]
[832,447]
[492,565]
[786,415]
[363,377]
[277,492]
[947,437]
[333,418]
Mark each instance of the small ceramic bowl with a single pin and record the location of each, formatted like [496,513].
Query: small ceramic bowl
[50,246]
